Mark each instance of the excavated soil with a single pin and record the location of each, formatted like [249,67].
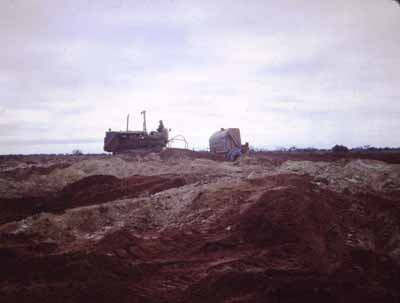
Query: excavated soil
[179,228]
[95,189]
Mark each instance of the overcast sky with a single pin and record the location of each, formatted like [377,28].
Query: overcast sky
[288,72]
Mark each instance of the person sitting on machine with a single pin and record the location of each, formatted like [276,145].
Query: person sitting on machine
[160,127]
[161,132]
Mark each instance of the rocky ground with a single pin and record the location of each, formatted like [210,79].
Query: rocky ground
[184,227]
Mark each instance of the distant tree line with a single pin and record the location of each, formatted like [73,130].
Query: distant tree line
[365,148]
[338,148]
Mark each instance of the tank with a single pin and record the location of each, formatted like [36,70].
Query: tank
[225,140]
[128,141]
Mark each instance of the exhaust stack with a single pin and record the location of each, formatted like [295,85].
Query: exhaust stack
[144,121]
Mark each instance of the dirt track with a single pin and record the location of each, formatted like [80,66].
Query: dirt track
[180,227]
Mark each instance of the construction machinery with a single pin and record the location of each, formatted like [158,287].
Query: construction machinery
[129,141]
[228,143]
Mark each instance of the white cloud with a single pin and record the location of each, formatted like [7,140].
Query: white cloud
[287,73]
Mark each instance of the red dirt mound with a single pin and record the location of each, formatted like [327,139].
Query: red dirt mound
[99,188]
[280,239]
[73,278]
[95,189]
[299,220]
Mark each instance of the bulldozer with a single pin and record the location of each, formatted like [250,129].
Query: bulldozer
[136,140]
